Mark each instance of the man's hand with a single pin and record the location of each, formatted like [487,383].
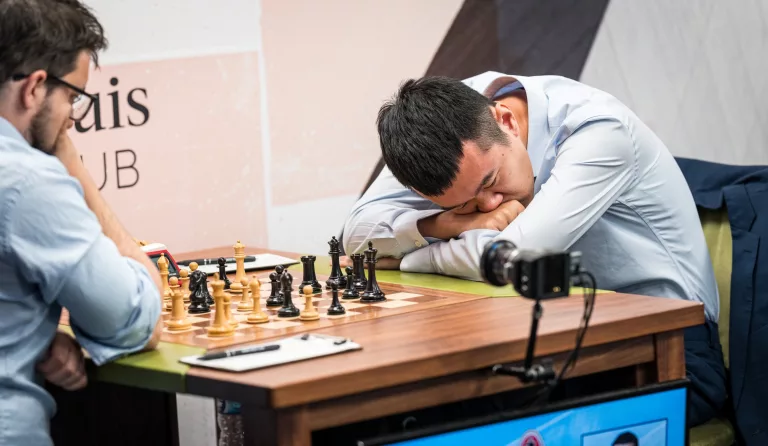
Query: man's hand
[67,153]
[382,263]
[450,224]
[64,366]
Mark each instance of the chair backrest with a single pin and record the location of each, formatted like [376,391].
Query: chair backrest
[717,231]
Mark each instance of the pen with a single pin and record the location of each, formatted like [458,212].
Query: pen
[244,351]
[214,261]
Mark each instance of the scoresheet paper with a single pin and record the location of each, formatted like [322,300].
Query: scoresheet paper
[292,349]
[263,261]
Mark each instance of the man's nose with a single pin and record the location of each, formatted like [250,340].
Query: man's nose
[488,201]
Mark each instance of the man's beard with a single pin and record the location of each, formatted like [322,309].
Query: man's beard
[37,134]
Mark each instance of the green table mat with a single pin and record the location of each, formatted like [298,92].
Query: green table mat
[432,281]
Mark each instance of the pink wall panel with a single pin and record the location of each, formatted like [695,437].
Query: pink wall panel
[330,65]
[190,174]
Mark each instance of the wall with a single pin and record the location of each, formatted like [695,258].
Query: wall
[694,71]
[247,120]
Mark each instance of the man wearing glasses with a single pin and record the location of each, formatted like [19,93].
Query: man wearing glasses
[60,244]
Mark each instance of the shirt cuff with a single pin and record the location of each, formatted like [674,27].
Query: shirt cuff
[407,231]
[419,261]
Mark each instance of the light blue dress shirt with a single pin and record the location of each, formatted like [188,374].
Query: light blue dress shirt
[605,185]
[53,254]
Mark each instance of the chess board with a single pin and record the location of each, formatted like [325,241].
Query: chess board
[400,299]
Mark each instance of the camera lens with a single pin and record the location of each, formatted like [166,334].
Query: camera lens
[497,262]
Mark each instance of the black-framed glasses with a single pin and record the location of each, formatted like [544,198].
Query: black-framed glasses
[80,105]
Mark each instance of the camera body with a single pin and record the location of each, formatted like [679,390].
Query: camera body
[534,274]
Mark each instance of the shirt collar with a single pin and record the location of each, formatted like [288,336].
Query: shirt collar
[8,130]
[538,120]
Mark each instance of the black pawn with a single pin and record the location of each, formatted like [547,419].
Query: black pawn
[223,273]
[335,308]
[372,291]
[288,309]
[275,298]
[336,273]
[359,269]
[316,287]
[350,292]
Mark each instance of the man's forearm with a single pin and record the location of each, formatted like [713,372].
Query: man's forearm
[110,225]
[437,226]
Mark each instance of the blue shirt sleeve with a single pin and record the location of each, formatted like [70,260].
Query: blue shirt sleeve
[59,246]
[594,166]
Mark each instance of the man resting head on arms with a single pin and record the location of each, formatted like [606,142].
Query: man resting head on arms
[546,163]
[60,244]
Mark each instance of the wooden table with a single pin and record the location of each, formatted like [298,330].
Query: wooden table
[416,360]
[425,358]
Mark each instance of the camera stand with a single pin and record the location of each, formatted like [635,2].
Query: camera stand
[529,372]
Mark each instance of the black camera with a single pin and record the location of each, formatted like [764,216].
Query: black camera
[534,274]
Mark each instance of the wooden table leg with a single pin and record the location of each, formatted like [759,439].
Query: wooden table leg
[645,374]
[267,427]
[670,356]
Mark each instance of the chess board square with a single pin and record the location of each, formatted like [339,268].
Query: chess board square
[276,325]
[192,328]
[352,305]
[217,338]
[400,296]
[242,317]
[339,316]
[194,319]
[394,304]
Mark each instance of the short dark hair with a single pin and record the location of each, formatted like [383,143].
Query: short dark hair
[422,128]
[626,438]
[46,35]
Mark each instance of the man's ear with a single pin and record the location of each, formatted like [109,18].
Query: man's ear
[506,118]
[34,90]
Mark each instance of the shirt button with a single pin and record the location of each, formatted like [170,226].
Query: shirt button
[419,244]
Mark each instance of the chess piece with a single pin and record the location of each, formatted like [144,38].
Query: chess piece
[335,308]
[162,266]
[309,313]
[184,280]
[275,298]
[174,286]
[223,273]
[336,273]
[372,291]
[309,277]
[220,326]
[240,261]
[178,321]
[316,287]
[350,292]
[228,307]
[246,303]
[257,316]
[288,309]
[306,275]
[198,291]
[359,269]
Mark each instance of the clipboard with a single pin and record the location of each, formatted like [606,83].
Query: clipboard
[263,261]
[292,349]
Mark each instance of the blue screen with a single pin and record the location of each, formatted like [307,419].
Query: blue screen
[645,420]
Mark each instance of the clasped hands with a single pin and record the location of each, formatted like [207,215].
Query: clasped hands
[450,224]
[64,364]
